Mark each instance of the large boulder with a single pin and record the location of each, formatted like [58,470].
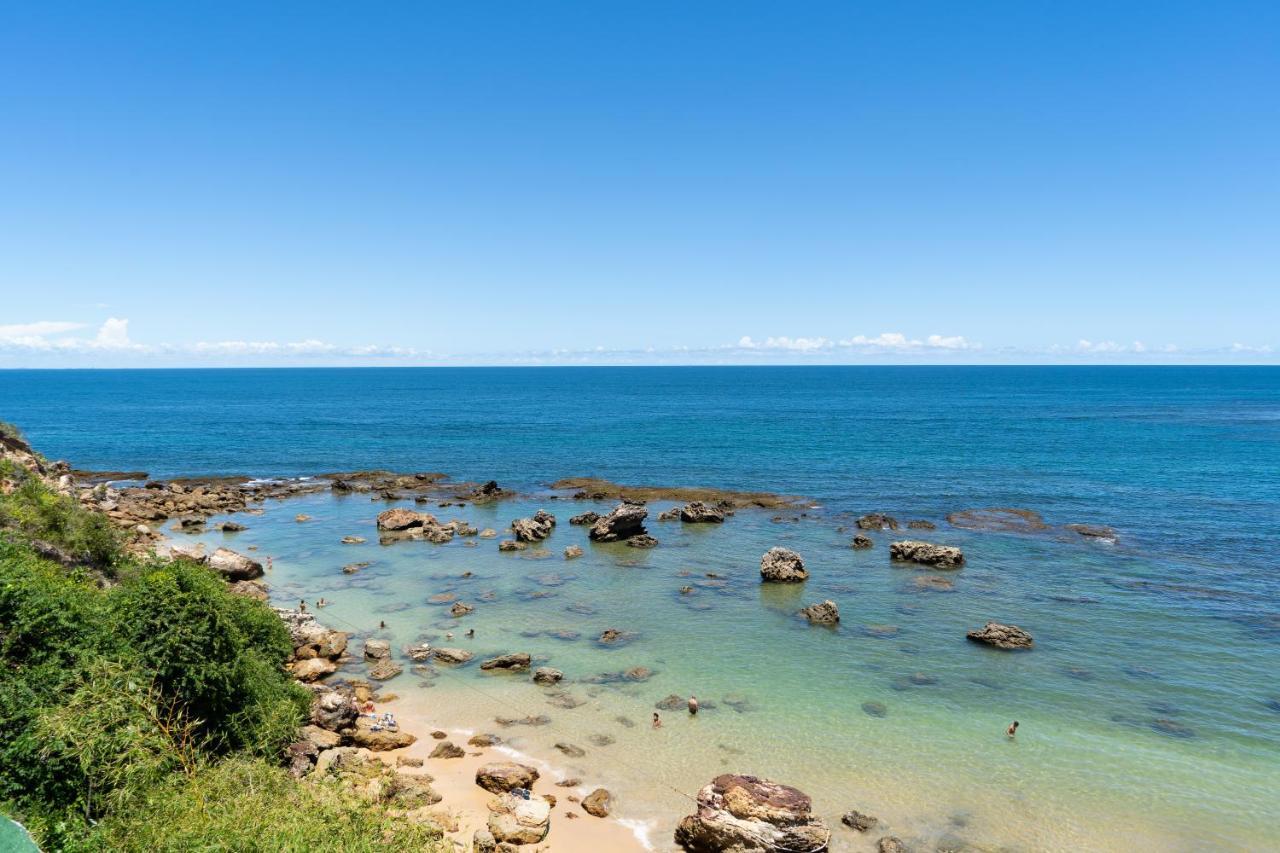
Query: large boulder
[626,520]
[697,512]
[403,519]
[444,654]
[533,529]
[515,820]
[1001,636]
[311,639]
[823,613]
[234,566]
[782,565]
[746,814]
[502,776]
[312,669]
[333,710]
[373,736]
[927,554]
[376,650]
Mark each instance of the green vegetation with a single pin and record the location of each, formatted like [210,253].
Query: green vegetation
[147,708]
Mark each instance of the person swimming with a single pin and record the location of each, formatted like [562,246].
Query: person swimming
[657,721]
[471,633]
[693,704]
[1013,729]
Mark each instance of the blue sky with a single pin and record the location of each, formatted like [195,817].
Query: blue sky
[323,183]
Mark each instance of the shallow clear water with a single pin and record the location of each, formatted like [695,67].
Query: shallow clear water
[1087,770]
[1177,621]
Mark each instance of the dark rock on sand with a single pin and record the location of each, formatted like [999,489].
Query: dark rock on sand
[782,565]
[625,521]
[445,749]
[824,613]
[875,709]
[1001,636]
[892,844]
[598,803]
[877,521]
[484,740]
[697,512]
[927,554]
[746,814]
[672,703]
[858,821]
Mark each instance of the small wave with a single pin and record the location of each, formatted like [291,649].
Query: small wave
[641,829]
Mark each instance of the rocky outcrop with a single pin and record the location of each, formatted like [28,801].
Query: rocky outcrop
[998,519]
[385,669]
[333,710]
[858,821]
[860,541]
[877,521]
[533,529]
[782,565]
[598,803]
[234,566]
[503,776]
[376,650]
[403,519]
[368,734]
[513,662]
[921,524]
[824,613]
[1001,636]
[511,545]
[927,554]
[573,552]
[588,517]
[746,814]
[642,540]
[626,520]
[516,820]
[460,608]
[697,512]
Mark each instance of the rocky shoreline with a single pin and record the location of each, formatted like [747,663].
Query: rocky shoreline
[733,812]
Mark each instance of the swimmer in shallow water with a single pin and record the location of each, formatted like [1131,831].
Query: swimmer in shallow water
[1013,729]
[657,721]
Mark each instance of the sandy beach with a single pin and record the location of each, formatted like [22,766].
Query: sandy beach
[464,807]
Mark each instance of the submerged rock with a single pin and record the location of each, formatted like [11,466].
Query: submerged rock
[927,554]
[1000,519]
[511,545]
[921,524]
[460,608]
[875,709]
[858,821]
[746,814]
[642,540]
[824,613]
[1001,636]
[547,675]
[573,552]
[588,517]
[511,662]
[782,565]
[877,521]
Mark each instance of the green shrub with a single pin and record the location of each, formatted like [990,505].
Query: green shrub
[38,512]
[243,804]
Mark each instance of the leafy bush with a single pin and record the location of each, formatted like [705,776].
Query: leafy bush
[41,513]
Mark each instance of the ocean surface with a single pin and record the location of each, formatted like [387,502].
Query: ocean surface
[1150,707]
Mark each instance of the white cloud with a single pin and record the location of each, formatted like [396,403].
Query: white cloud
[1246,348]
[785,343]
[26,332]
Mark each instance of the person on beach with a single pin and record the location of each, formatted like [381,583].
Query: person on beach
[657,721]
[1013,729]
[368,708]
[302,605]
[693,704]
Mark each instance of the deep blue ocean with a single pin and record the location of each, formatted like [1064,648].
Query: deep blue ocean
[1155,675]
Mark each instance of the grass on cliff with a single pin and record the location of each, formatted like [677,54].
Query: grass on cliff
[32,511]
[151,713]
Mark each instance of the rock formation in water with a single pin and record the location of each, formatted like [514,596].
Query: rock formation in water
[746,814]
[927,554]
[782,565]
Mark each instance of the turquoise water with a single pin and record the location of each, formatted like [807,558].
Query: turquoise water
[1176,621]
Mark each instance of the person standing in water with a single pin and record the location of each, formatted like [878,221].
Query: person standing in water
[1013,729]
[657,721]
[693,704]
